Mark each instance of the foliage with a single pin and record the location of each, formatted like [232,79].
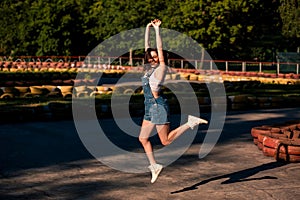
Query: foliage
[42,27]
[290,15]
[227,29]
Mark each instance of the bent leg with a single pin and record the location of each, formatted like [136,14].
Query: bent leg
[167,137]
[146,130]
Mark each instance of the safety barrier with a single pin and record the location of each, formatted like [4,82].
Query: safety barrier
[281,141]
[76,61]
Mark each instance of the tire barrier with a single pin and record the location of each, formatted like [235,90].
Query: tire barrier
[53,91]
[28,81]
[280,141]
[50,65]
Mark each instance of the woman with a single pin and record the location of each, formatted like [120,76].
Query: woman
[156,107]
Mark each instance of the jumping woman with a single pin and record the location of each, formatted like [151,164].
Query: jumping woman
[156,107]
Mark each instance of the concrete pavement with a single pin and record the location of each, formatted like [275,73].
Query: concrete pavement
[46,160]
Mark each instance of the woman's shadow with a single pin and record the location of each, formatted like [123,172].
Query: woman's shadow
[240,176]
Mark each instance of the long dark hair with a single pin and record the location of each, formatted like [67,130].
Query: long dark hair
[148,56]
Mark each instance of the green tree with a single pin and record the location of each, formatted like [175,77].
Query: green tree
[227,29]
[13,25]
[59,26]
[43,27]
[290,16]
[111,17]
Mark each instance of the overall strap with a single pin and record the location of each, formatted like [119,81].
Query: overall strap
[147,75]
[150,72]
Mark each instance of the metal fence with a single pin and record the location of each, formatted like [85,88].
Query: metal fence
[223,65]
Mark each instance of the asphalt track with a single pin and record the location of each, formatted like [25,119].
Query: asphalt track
[47,160]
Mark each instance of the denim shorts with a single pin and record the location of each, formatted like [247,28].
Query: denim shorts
[156,110]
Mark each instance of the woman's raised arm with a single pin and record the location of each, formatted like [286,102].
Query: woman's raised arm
[161,71]
[156,23]
[147,35]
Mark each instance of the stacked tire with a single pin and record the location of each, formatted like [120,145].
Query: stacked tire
[280,141]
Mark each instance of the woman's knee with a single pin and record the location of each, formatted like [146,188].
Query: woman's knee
[165,142]
[143,140]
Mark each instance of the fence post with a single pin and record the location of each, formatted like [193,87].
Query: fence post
[243,66]
[211,64]
[226,66]
[130,57]
[297,68]
[278,68]
[120,61]
[181,64]
[260,64]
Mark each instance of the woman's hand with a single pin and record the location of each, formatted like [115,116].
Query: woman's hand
[149,25]
[156,23]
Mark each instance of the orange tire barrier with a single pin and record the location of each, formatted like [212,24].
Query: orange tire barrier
[280,141]
[260,145]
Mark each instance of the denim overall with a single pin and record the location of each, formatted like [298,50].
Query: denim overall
[156,110]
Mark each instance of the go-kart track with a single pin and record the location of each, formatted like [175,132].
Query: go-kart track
[47,160]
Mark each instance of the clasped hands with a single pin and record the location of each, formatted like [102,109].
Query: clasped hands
[155,23]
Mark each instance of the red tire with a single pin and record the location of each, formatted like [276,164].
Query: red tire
[288,127]
[254,134]
[294,158]
[270,142]
[275,130]
[289,158]
[267,151]
[284,148]
[288,133]
[260,138]
[278,135]
[292,150]
[292,126]
[270,152]
[255,131]
[296,134]
[260,145]
[282,153]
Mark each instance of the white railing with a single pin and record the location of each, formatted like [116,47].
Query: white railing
[223,65]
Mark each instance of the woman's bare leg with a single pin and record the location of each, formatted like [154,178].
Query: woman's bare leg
[167,137]
[146,130]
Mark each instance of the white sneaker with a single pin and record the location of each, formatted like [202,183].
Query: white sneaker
[155,170]
[194,121]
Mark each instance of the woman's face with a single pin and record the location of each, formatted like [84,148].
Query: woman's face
[154,60]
